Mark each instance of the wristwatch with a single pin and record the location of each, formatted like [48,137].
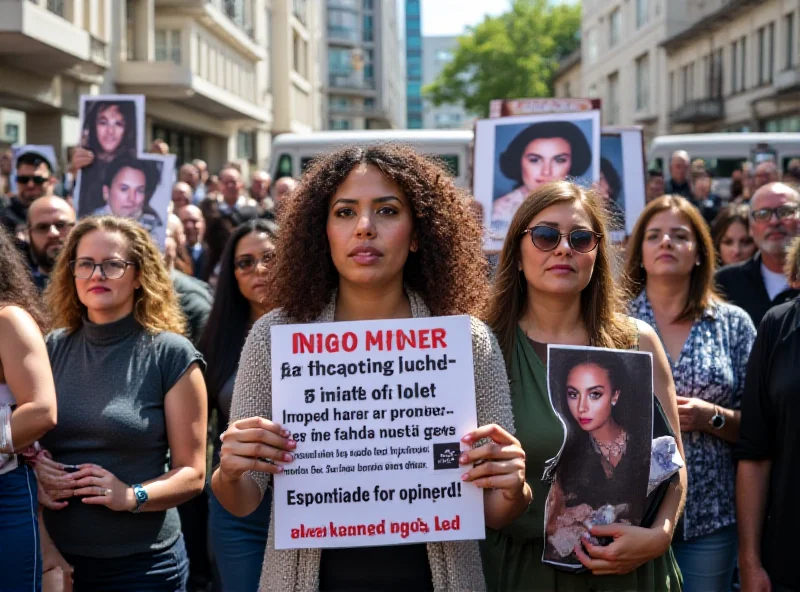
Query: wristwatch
[141,497]
[718,420]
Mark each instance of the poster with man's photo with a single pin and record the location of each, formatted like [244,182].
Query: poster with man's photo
[516,155]
[622,183]
[604,399]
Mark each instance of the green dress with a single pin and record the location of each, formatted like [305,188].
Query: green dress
[512,557]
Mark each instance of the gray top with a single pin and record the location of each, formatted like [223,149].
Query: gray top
[111,381]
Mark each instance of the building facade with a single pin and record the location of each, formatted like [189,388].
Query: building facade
[568,78]
[216,85]
[437,52]
[364,75]
[414,65]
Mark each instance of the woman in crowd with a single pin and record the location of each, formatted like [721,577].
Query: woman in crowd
[132,412]
[542,152]
[554,285]
[109,132]
[242,297]
[386,236]
[27,412]
[730,232]
[670,269]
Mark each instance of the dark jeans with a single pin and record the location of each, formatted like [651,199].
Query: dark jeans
[20,551]
[154,571]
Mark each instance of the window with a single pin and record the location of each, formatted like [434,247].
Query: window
[593,91]
[284,168]
[671,90]
[298,54]
[340,62]
[642,13]
[734,68]
[300,10]
[368,34]
[369,68]
[369,104]
[717,76]
[240,12]
[762,54]
[643,82]
[613,98]
[130,31]
[12,133]
[743,63]
[614,27]
[343,24]
[246,146]
[770,52]
[687,74]
[414,66]
[788,26]
[337,123]
[412,8]
[341,103]
[168,45]
[367,4]
[591,46]
[567,90]
[56,7]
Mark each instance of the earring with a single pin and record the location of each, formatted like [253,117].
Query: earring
[697,263]
[613,403]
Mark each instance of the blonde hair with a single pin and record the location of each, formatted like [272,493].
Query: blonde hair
[792,266]
[155,302]
[601,302]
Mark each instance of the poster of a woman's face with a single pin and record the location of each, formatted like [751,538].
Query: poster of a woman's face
[604,399]
[622,178]
[516,155]
[610,187]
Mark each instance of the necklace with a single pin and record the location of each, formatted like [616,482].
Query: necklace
[614,449]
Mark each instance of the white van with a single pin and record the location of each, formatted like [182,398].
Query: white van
[292,153]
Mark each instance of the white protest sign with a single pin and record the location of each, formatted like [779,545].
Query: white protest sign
[378,409]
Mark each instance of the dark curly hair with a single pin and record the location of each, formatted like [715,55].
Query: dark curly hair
[510,159]
[16,285]
[612,178]
[127,109]
[448,269]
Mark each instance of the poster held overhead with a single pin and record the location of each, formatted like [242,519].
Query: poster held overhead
[622,177]
[378,410]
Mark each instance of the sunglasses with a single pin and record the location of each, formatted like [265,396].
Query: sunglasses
[782,213]
[248,263]
[546,238]
[25,179]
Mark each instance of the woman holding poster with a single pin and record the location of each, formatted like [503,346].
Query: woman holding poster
[390,237]
[554,286]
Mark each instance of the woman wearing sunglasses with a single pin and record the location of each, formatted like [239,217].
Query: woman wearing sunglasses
[373,233]
[130,442]
[670,268]
[554,285]
[242,297]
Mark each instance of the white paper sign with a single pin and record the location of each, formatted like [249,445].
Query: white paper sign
[378,409]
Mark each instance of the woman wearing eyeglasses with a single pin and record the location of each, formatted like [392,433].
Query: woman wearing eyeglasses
[554,285]
[670,271]
[242,297]
[130,443]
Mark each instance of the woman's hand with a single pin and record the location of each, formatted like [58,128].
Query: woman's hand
[694,414]
[632,547]
[247,444]
[500,464]
[100,487]
[81,158]
[54,482]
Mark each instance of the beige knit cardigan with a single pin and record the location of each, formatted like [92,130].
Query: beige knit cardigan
[456,566]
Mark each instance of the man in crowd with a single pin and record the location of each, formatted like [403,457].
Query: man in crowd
[181,195]
[194,227]
[190,174]
[708,203]
[758,284]
[655,184]
[678,183]
[34,180]
[792,174]
[202,168]
[50,220]
[766,172]
[230,180]
[283,187]
[260,182]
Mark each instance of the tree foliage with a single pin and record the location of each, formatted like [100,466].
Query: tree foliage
[510,56]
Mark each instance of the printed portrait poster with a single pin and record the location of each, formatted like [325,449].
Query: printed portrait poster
[378,410]
[515,155]
[622,178]
[604,399]
[112,127]
[508,107]
[46,152]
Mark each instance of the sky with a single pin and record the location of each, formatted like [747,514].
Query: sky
[451,17]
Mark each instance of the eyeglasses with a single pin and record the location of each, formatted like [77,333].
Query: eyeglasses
[546,238]
[25,179]
[782,213]
[45,227]
[110,269]
[247,263]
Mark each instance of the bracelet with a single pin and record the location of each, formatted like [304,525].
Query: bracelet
[6,444]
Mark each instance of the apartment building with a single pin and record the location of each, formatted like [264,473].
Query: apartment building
[736,68]
[414,66]
[365,76]
[216,86]
[567,80]
[437,52]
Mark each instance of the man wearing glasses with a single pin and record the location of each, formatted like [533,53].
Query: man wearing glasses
[34,180]
[759,284]
[50,220]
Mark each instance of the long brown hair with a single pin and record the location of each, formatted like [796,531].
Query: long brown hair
[600,301]
[155,302]
[728,216]
[16,286]
[702,290]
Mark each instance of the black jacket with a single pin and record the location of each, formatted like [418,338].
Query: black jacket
[195,300]
[671,187]
[742,285]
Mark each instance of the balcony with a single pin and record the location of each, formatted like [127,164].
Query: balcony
[350,82]
[699,111]
[35,36]
[788,80]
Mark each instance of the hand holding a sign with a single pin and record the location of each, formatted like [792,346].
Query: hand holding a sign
[254,444]
[500,469]
[632,547]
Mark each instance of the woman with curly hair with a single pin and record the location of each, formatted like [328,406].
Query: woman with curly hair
[132,408]
[27,412]
[380,233]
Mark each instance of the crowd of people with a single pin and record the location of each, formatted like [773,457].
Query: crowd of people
[136,451]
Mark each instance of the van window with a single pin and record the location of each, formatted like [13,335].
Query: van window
[284,168]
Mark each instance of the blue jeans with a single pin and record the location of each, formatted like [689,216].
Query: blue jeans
[154,571]
[707,562]
[238,544]
[20,549]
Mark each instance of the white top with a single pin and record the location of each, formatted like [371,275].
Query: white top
[775,283]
